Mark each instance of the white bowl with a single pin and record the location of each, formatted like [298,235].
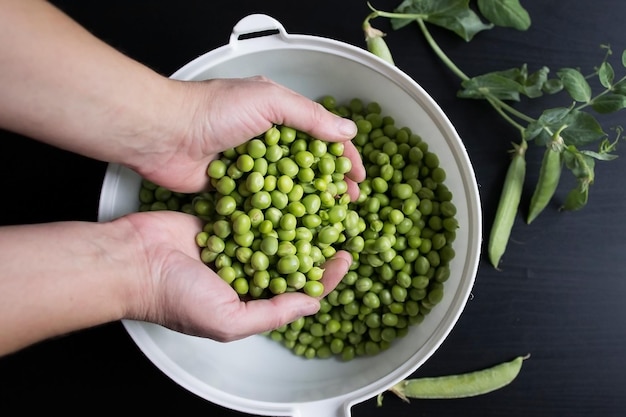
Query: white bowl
[257,375]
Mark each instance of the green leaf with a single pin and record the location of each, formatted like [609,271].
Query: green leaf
[405,7]
[581,165]
[609,103]
[490,85]
[606,74]
[551,120]
[534,84]
[582,129]
[619,87]
[575,84]
[599,156]
[554,117]
[507,13]
[624,58]
[576,199]
[454,15]
[552,86]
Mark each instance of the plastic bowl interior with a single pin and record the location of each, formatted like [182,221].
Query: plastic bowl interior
[257,375]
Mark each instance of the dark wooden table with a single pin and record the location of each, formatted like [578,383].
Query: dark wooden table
[559,296]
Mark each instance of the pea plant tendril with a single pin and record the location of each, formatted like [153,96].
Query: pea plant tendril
[571,134]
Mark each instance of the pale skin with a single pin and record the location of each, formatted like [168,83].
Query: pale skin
[61,85]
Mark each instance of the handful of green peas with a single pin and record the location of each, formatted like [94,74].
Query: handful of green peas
[280,208]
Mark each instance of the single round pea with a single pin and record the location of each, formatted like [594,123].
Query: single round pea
[318,148]
[227,273]
[328,235]
[216,169]
[288,167]
[255,182]
[259,261]
[245,163]
[278,285]
[371,300]
[261,279]
[242,224]
[261,200]
[256,148]
[288,222]
[241,285]
[313,288]
[288,264]
[296,280]
[287,134]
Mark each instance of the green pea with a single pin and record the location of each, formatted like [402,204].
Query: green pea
[216,169]
[278,285]
[215,244]
[296,280]
[328,235]
[242,224]
[274,153]
[296,193]
[245,163]
[314,288]
[244,239]
[287,134]
[241,285]
[256,148]
[288,222]
[318,148]
[222,228]
[343,165]
[261,200]
[259,261]
[315,273]
[227,273]
[261,279]
[288,264]
[371,300]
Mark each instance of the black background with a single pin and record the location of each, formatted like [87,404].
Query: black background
[559,295]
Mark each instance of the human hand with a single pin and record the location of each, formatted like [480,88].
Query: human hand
[219,114]
[180,292]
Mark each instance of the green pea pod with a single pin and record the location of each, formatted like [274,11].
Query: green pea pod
[465,385]
[548,181]
[376,44]
[508,204]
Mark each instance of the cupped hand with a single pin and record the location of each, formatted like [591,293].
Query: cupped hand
[177,290]
[219,114]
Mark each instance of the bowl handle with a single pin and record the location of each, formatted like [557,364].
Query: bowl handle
[256,26]
[325,408]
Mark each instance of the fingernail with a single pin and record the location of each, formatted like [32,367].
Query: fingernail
[344,261]
[347,127]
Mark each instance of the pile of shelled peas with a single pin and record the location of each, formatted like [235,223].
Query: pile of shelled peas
[280,209]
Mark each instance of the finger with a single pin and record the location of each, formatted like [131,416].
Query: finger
[262,315]
[258,316]
[357,173]
[335,269]
[353,190]
[299,112]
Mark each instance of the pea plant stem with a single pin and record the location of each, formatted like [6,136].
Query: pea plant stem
[439,52]
[500,106]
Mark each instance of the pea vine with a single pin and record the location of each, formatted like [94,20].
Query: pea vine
[571,134]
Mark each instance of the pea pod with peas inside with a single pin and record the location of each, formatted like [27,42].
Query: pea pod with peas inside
[464,385]
[549,176]
[508,204]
